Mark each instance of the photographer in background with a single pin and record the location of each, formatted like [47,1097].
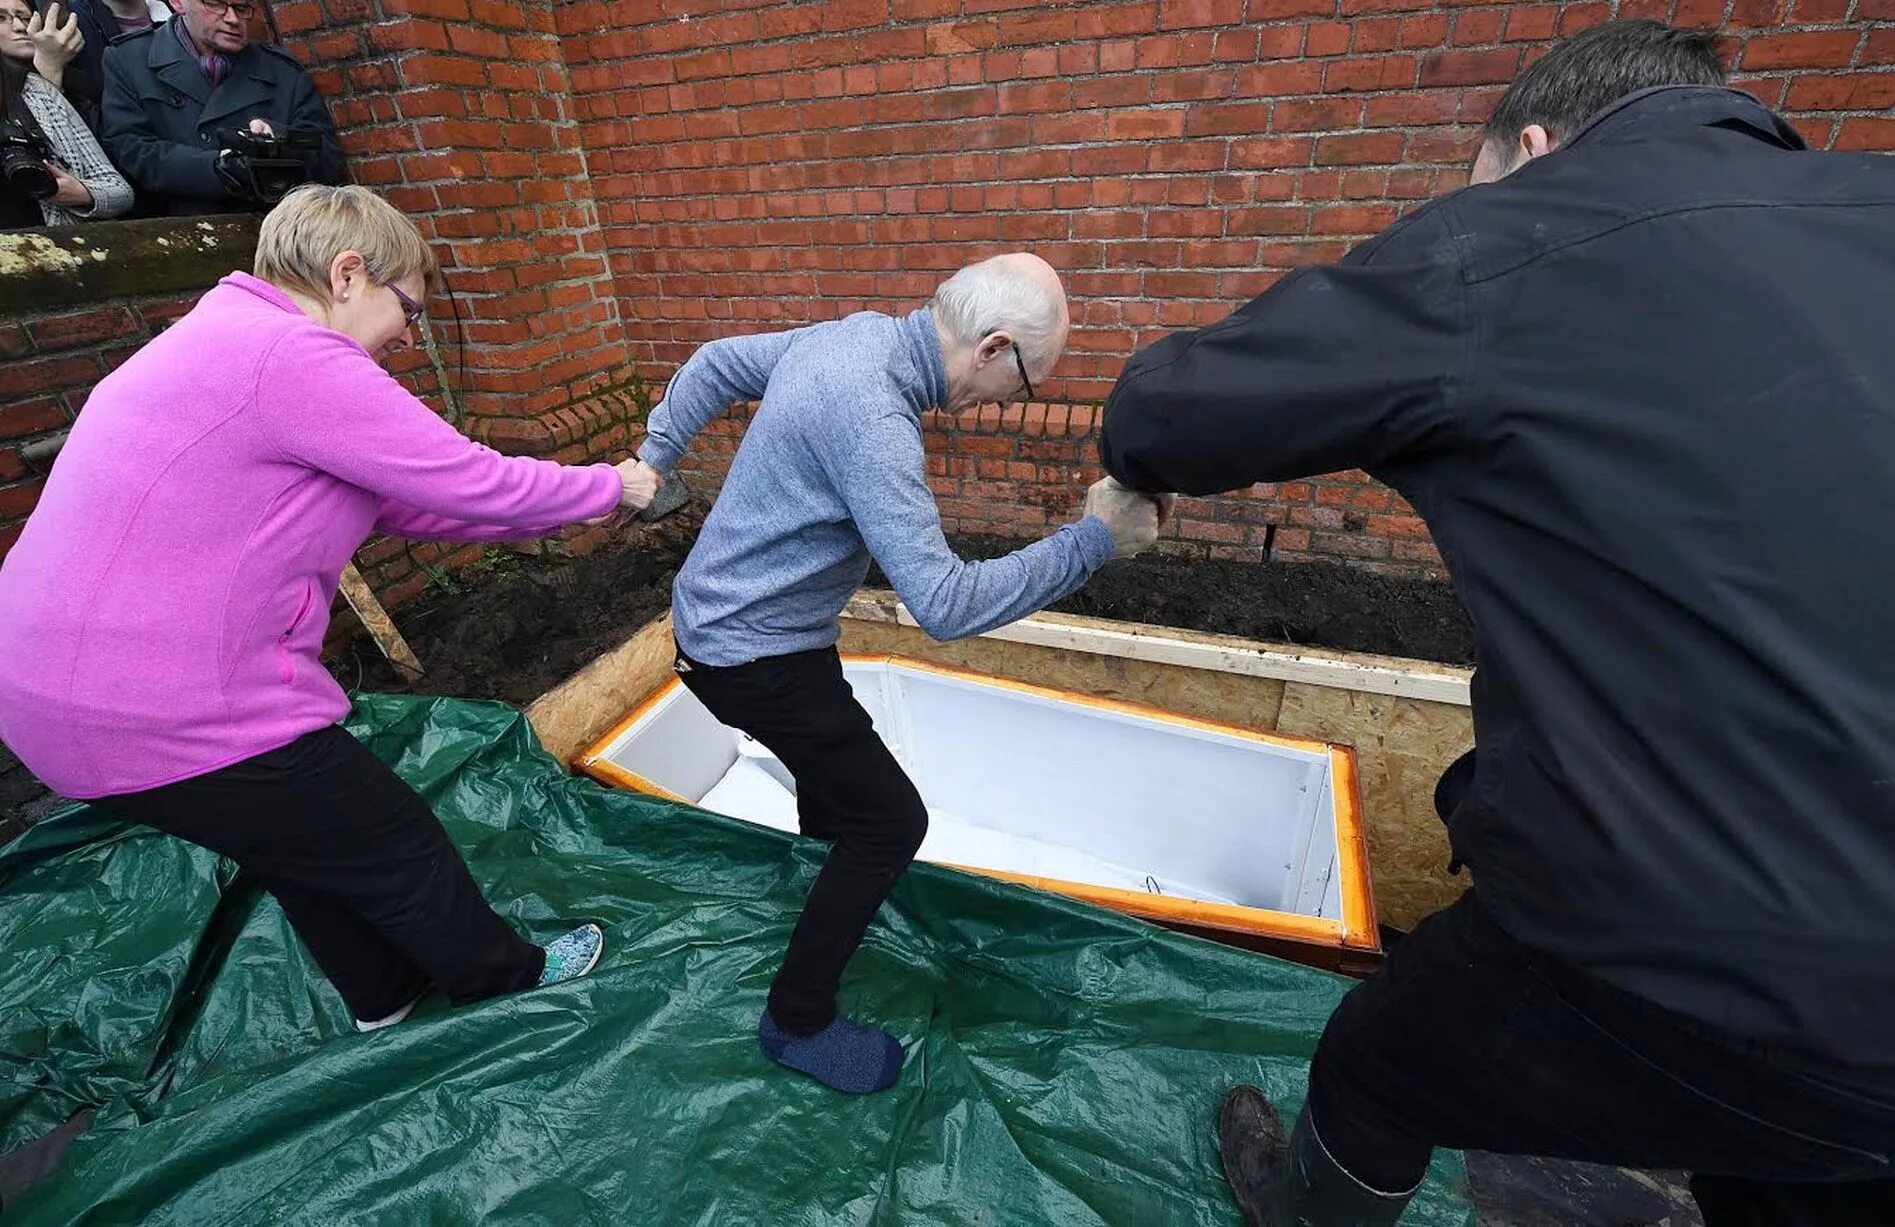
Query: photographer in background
[205,121]
[52,171]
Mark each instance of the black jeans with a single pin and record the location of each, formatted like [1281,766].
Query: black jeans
[360,865]
[849,789]
[1467,1039]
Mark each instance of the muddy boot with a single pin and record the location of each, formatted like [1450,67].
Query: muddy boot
[1282,1179]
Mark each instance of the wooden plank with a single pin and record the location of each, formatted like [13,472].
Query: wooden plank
[1216,653]
[380,626]
[572,715]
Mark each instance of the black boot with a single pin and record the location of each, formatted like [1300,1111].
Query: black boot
[1284,1179]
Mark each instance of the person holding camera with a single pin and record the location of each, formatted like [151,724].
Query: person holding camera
[162,615]
[52,171]
[205,121]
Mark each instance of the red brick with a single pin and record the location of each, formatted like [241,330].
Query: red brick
[1280,79]
[1806,49]
[1758,12]
[1283,10]
[31,417]
[1359,149]
[17,500]
[1410,109]
[1469,67]
[1275,219]
[1371,73]
[1531,22]
[52,374]
[1450,147]
[12,465]
[1271,152]
[1866,132]
[58,332]
[1145,125]
[1353,219]
[1428,30]
[1182,14]
[1477,29]
[1576,17]
[1327,38]
[1316,114]
[1227,118]
[1851,92]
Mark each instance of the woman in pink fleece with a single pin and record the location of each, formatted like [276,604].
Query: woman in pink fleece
[162,615]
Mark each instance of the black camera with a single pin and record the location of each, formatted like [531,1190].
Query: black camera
[263,168]
[23,157]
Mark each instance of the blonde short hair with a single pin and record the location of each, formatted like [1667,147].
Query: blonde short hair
[315,223]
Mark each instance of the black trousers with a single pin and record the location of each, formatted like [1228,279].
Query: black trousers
[1467,1039]
[849,789]
[360,865]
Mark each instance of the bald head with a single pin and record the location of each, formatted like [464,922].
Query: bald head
[1018,294]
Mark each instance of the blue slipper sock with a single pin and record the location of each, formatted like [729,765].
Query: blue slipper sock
[847,1056]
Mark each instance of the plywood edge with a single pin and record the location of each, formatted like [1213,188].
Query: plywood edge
[1362,672]
[573,714]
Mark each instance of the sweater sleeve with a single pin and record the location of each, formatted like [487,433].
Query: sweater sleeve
[1340,367]
[74,147]
[322,402]
[401,520]
[884,484]
[713,379]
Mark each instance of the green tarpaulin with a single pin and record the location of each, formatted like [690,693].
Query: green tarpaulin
[1064,1062]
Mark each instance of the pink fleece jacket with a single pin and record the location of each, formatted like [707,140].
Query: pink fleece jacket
[163,613]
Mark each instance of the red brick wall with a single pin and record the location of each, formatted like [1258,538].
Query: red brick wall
[757,165]
[612,182]
[458,110]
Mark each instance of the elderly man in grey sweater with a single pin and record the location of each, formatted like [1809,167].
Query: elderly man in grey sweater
[831,473]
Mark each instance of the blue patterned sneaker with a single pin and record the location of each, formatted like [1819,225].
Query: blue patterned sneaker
[572,956]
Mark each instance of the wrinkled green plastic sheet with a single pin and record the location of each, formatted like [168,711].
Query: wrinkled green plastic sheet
[1064,1062]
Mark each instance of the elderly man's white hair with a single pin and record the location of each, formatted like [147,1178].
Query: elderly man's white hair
[1018,294]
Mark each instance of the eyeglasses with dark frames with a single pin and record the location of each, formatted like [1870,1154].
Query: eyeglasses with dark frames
[1021,363]
[409,306]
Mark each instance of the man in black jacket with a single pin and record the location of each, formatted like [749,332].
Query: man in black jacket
[1640,381]
[175,93]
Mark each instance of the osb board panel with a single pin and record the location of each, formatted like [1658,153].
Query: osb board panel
[578,711]
[1231,698]
[1402,746]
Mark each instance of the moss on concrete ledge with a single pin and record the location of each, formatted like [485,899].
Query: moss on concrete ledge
[76,265]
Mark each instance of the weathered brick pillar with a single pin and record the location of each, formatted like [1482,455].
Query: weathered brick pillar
[460,112]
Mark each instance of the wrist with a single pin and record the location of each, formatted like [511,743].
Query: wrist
[1096,540]
[655,455]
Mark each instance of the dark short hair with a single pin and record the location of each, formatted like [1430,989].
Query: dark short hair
[1593,69]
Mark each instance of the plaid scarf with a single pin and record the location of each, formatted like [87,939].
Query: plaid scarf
[215,64]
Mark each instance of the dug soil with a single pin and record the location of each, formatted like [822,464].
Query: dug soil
[517,626]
